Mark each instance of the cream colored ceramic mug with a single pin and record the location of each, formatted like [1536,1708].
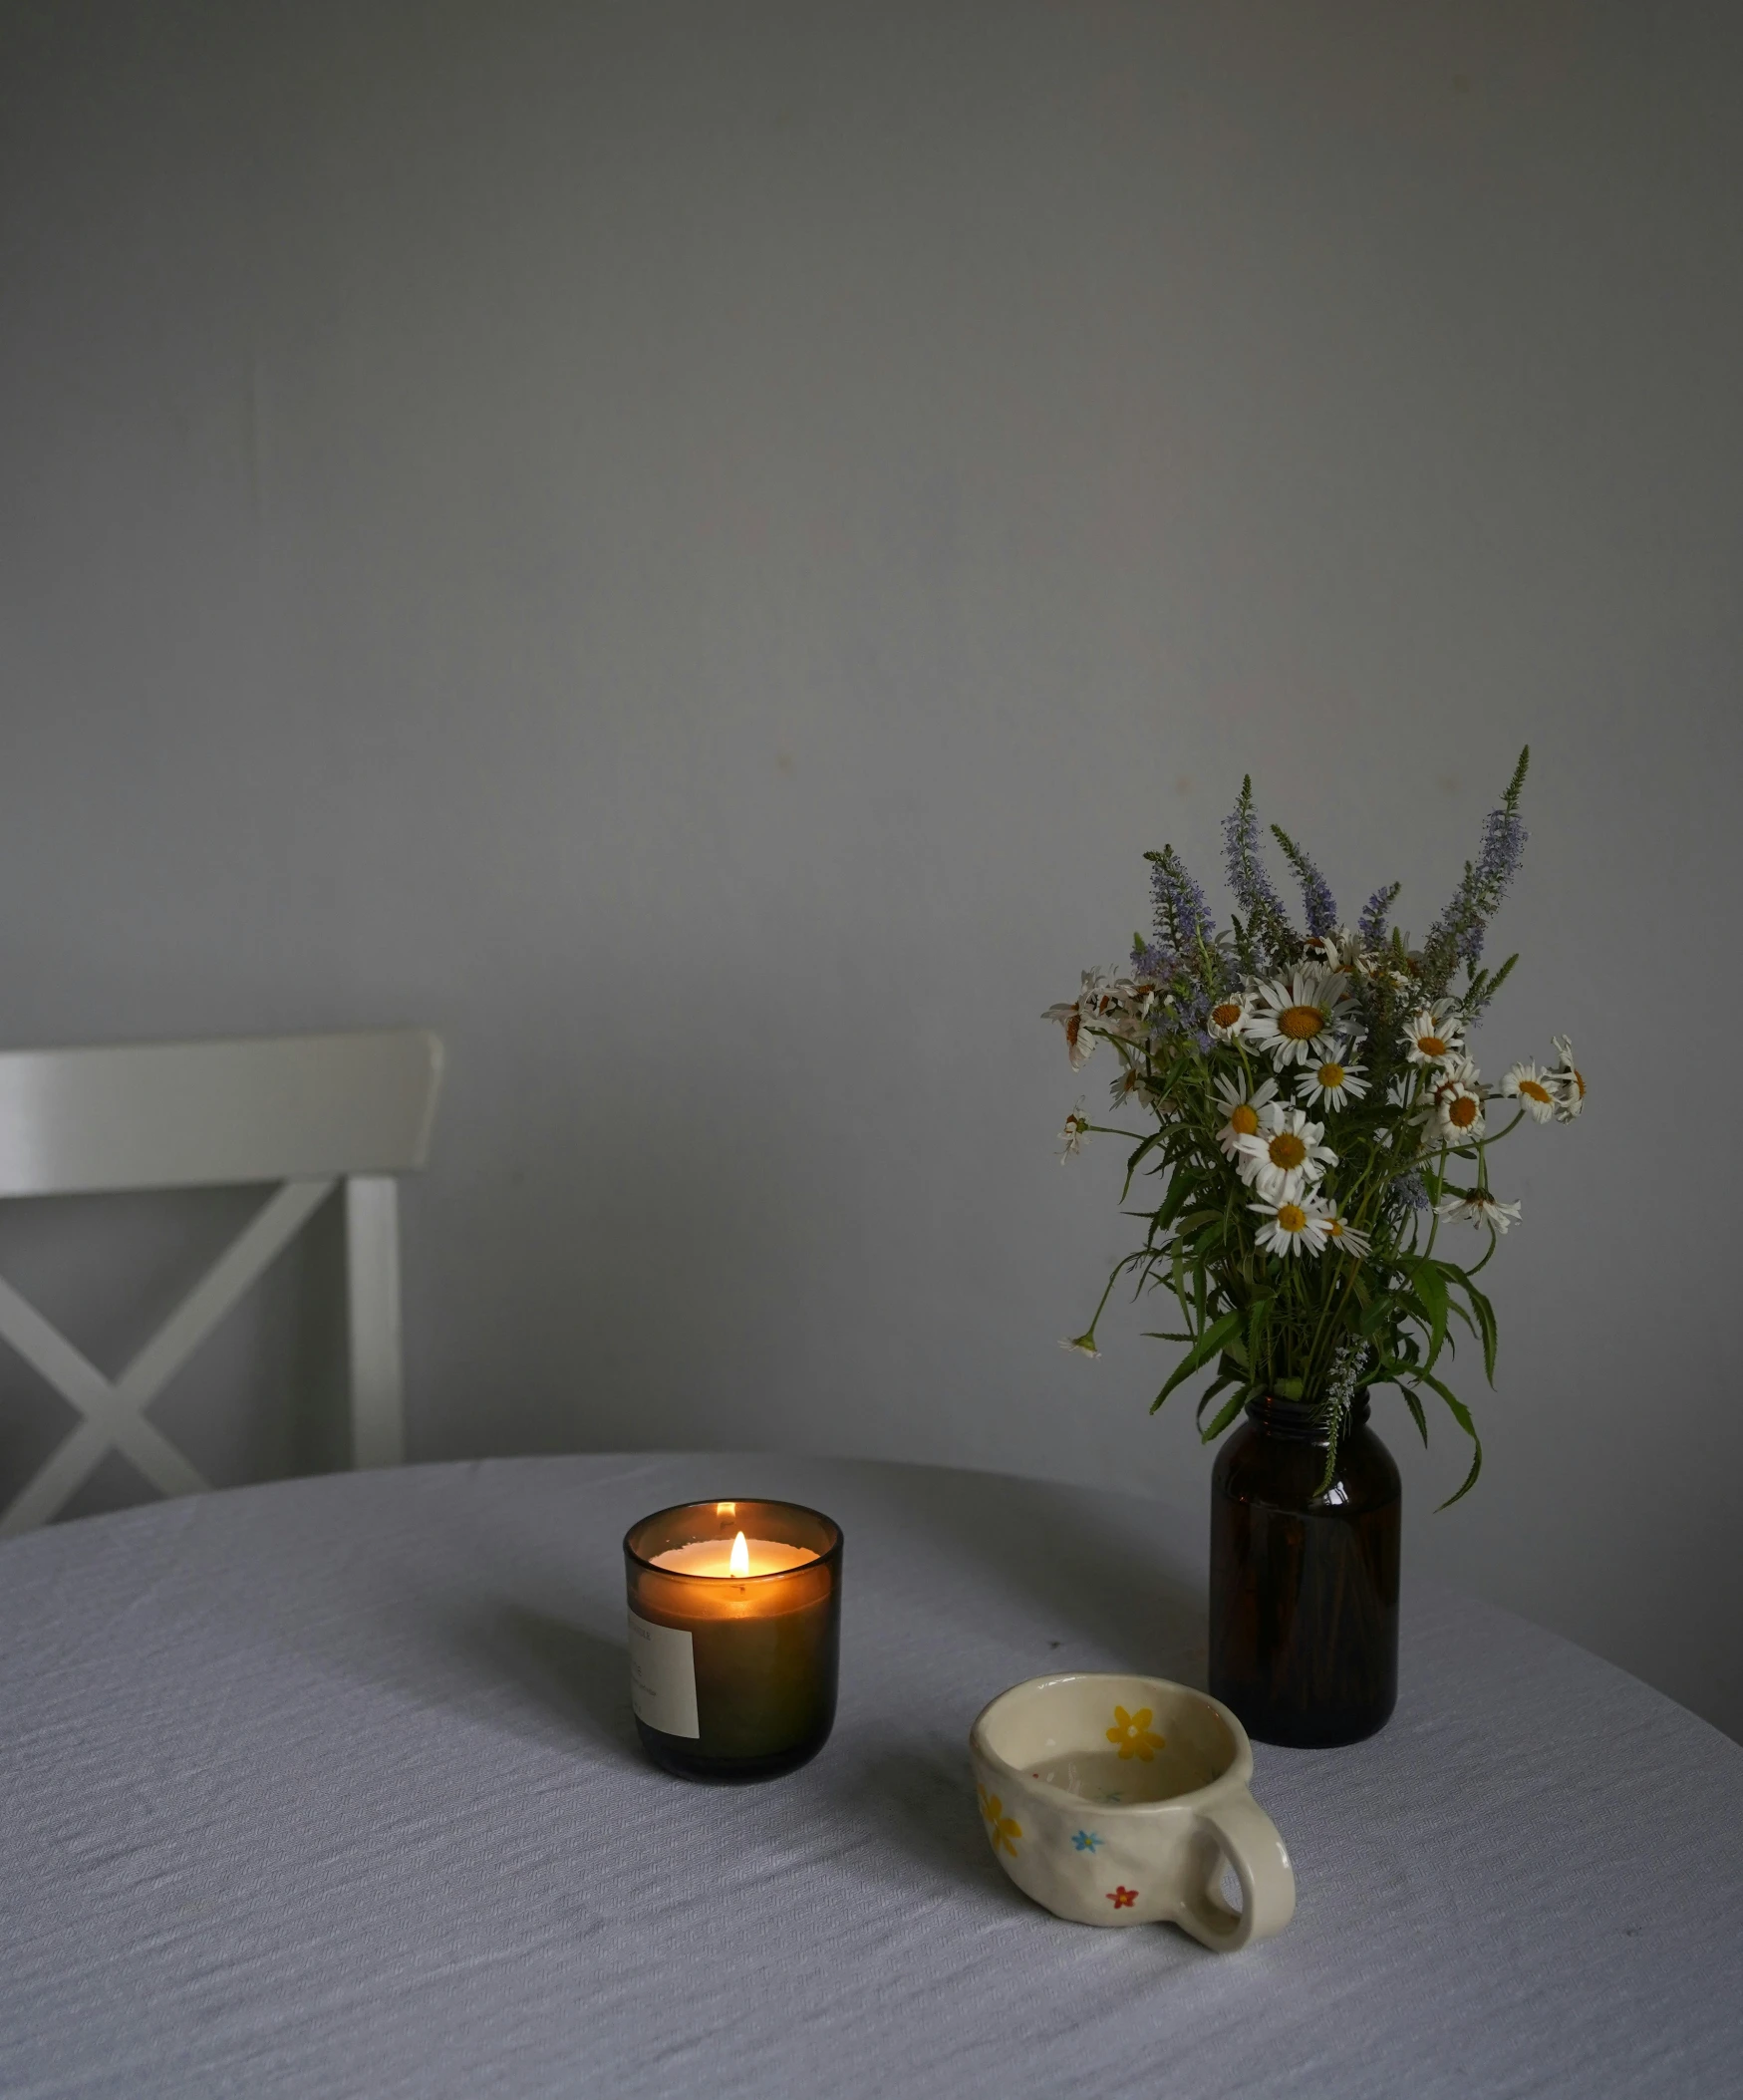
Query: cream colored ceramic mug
[1116,1800]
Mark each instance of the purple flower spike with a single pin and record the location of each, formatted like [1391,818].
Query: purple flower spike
[1409,1193]
[1375,914]
[1504,840]
[1183,917]
[1457,935]
[1316,898]
[1268,924]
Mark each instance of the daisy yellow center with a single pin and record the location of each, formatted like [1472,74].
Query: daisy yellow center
[1431,1046]
[1244,1119]
[1287,1150]
[1300,1024]
[1335,1228]
[1226,1015]
[1533,1091]
[1463,1113]
[1292,1218]
[1332,1077]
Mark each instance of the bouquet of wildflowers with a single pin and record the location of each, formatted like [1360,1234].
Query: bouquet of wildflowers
[1318,1121]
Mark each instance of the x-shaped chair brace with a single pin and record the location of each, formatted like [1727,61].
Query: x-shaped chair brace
[113,1412]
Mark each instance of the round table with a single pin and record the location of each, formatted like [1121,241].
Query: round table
[332,1787]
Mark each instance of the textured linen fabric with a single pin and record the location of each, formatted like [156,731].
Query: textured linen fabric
[332,1788]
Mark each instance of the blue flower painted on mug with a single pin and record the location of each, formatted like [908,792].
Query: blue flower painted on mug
[1087,1839]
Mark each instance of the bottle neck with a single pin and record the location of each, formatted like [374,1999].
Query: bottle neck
[1302,1421]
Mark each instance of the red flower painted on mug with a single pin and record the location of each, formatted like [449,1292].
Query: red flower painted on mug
[1122,1898]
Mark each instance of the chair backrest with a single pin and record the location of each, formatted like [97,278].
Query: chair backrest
[308,1112]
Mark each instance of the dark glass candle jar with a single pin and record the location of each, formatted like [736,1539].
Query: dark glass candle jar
[735,1635]
[1304,1584]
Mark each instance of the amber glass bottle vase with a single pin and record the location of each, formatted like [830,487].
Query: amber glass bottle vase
[1305,1584]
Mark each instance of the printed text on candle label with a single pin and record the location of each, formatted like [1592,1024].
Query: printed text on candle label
[662,1677]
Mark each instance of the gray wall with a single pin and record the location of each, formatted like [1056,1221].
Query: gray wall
[692,546]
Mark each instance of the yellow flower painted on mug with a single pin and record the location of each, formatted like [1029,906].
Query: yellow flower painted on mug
[1001,1829]
[1133,1734]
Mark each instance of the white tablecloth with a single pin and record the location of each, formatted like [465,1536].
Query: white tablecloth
[332,1788]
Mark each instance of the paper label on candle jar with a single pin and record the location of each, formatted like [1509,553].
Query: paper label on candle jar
[662,1677]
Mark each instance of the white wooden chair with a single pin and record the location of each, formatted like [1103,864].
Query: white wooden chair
[310,1111]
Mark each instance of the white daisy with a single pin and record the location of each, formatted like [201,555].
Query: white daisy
[1333,1084]
[1533,1088]
[1344,1239]
[1297,1021]
[1568,1082]
[1240,1111]
[1458,1107]
[1337,950]
[1290,1226]
[1084,1344]
[1283,1158]
[1434,1036]
[1228,1019]
[1075,1015]
[1077,1126]
[1480,1208]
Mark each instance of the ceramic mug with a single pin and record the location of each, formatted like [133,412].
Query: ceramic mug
[1116,1800]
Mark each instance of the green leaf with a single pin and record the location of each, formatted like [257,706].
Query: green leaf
[1208,1344]
[1149,1146]
[1431,1290]
[1220,1383]
[1225,1415]
[1415,1407]
[1386,1306]
[1462,1416]
[1257,1320]
[1485,1313]
[1174,1200]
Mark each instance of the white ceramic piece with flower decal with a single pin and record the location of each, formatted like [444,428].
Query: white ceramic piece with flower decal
[1121,1800]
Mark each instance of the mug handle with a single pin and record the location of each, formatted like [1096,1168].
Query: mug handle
[1246,1837]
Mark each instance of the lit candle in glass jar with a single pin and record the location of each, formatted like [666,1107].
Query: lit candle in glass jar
[735,1635]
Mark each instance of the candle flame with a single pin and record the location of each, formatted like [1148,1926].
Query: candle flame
[741,1561]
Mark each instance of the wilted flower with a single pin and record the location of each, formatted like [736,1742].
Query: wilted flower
[1478,1207]
[1075,1017]
[1568,1082]
[1127,1085]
